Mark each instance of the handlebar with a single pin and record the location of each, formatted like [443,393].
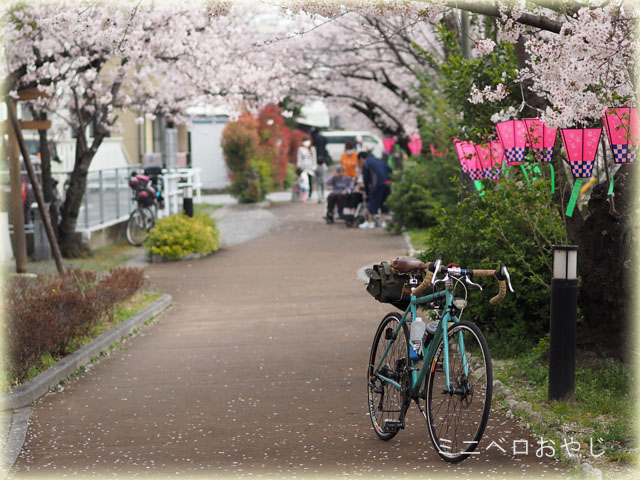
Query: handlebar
[501,275]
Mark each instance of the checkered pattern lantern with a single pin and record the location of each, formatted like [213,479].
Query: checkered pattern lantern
[461,157]
[581,145]
[387,144]
[622,128]
[513,138]
[541,139]
[474,167]
[490,156]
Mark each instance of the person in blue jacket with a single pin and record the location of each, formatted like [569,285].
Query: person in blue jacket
[377,187]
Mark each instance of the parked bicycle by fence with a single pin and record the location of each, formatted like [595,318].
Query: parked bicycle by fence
[449,377]
[148,200]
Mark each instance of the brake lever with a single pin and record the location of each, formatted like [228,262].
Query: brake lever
[442,280]
[505,273]
[468,280]
[436,269]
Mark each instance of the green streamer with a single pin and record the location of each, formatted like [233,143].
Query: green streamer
[610,192]
[553,179]
[524,170]
[479,187]
[536,170]
[574,197]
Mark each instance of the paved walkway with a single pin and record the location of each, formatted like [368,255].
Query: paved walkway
[258,368]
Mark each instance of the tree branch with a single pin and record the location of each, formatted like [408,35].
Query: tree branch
[529,19]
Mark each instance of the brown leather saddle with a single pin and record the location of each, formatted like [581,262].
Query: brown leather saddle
[408,264]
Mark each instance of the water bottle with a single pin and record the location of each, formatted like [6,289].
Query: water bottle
[415,338]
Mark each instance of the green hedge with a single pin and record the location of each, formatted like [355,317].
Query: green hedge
[179,235]
[418,190]
[514,224]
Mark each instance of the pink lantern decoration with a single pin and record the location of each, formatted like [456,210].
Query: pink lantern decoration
[474,168]
[541,139]
[461,157]
[622,125]
[435,152]
[490,156]
[513,139]
[415,145]
[387,144]
[581,145]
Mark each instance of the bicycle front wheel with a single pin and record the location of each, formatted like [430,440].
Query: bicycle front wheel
[457,417]
[384,399]
[139,225]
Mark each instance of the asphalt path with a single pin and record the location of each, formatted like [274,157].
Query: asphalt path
[258,369]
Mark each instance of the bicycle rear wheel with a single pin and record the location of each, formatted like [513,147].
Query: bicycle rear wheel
[456,420]
[386,401]
[139,225]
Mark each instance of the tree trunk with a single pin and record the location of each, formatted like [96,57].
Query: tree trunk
[604,262]
[70,241]
[604,241]
[47,179]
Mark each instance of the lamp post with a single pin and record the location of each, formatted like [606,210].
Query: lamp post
[562,328]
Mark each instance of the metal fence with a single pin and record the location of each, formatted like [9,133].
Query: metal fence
[108,198]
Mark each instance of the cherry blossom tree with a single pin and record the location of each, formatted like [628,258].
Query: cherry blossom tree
[575,59]
[95,59]
[364,65]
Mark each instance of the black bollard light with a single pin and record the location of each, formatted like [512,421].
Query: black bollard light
[187,202]
[562,328]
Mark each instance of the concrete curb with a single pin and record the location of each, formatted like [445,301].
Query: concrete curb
[409,246]
[17,435]
[26,394]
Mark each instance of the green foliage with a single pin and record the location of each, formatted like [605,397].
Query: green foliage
[256,151]
[240,142]
[458,74]
[290,179]
[418,190]
[513,224]
[179,235]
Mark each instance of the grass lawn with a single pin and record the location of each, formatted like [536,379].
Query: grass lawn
[105,258]
[418,239]
[600,420]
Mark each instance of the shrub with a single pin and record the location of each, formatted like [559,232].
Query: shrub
[43,315]
[517,225]
[290,179]
[179,235]
[418,190]
[256,152]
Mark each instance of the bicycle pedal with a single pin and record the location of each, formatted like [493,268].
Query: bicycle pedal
[392,425]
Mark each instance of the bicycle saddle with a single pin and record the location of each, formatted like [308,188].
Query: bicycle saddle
[408,264]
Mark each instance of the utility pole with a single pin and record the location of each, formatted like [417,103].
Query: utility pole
[17,140]
[17,212]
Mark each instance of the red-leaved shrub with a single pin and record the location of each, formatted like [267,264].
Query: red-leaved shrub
[44,314]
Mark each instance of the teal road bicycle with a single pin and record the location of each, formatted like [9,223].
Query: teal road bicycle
[449,377]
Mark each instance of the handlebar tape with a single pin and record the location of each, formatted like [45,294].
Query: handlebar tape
[502,286]
[502,290]
[426,283]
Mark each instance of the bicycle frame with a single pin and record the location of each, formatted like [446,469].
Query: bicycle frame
[428,353]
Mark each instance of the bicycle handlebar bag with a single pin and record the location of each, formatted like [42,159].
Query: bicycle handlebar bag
[388,286]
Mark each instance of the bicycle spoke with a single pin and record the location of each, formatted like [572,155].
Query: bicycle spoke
[384,399]
[457,414]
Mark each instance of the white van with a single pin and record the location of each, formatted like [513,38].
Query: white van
[363,140]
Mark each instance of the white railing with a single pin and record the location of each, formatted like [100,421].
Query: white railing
[108,198]
[175,183]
